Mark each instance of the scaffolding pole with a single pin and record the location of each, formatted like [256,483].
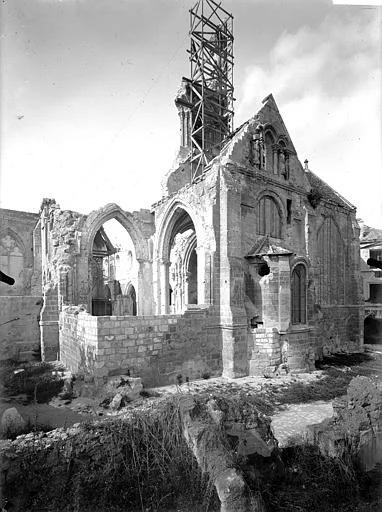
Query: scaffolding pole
[211,91]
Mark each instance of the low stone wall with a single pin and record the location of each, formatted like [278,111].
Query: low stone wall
[267,349]
[264,350]
[19,327]
[156,348]
[301,348]
[78,341]
[336,329]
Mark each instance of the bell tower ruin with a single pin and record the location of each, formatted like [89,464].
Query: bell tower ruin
[205,101]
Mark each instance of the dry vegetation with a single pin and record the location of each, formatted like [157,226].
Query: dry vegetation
[142,463]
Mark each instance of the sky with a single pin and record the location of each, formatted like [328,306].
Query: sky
[87,95]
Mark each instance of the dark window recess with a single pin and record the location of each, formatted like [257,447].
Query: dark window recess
[289,211]
[298,282]
[376,254]
[376,293]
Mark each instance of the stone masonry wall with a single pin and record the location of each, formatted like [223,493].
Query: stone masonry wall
[17,227]
[156,348]
[264,350]
[339,328]
[19,327]
[78,341]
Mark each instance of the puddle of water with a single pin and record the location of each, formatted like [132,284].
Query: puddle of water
[370,453]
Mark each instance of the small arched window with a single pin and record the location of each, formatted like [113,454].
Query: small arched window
[269,160]
[298,293]
[269,218]
[283,160]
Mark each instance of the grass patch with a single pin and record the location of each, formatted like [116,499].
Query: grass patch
[310,482]
[332,384]
[341,360]
[338,370]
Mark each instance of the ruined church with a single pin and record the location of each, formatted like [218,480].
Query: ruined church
[247,263]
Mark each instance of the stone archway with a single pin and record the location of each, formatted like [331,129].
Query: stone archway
[92,227]
[180,267]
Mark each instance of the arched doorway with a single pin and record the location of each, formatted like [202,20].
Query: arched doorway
[179,275]
[113,271]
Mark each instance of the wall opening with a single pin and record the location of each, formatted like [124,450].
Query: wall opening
[375,293]
[113,271]
[298,294]
[289,211]
[192,278]
[372,330]
[182,269]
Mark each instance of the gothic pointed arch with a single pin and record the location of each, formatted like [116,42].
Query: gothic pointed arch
[12,256]
[178,216]
[112,211]
[176,253]
[331,259]
[299,280]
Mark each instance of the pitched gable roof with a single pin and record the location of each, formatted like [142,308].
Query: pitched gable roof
[326,191]
[264,247]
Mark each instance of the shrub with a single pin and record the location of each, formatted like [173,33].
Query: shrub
[30,426]
[35,380]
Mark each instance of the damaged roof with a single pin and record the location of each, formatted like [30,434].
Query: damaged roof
[264,247]
[326,191]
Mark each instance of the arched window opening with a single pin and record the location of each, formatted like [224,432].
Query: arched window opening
[298,294]
[131,300]
[180,275]
[269,152]
[192,278]
[269,219]
[113,271]
[11,259]
[283,160]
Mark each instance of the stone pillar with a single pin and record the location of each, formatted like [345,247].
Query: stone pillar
[201,267]
[36,282]
[145,285]
[164,286]
[49,318]
[182,130]
[187,128]
[233,318]
[276,293]
[284,293]
[275,161]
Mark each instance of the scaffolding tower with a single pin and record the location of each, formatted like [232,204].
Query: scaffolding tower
[211,91]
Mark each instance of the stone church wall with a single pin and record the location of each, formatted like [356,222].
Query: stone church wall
[16,252]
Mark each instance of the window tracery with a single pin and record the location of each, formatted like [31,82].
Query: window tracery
[11,257]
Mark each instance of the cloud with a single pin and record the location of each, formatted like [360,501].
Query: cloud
[327,83]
